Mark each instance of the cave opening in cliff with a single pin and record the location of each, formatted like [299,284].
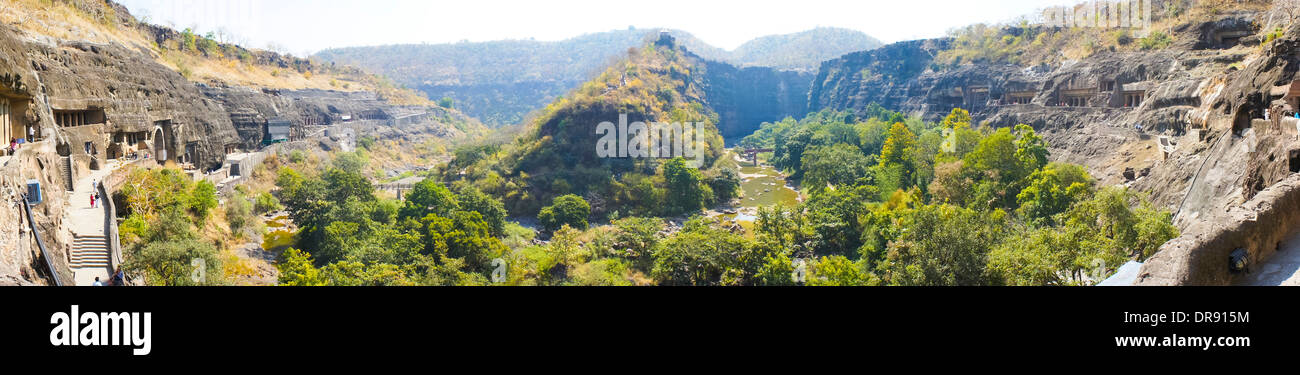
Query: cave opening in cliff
[162,140]
[13,126]
[978,96]
[1133,99]
[1241,121]
[1075,101]
[192,153]
[126,144]
[81,117]
[7,130]
[1294,159]
[1023,97]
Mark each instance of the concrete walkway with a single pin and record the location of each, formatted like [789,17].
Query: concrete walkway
[84,221]
[1283,269]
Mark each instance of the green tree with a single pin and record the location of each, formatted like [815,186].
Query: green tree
[943,245]
[203,198]
[686,191]
[351,162]
[296,269]
[725,183]
[266,203]
[833,215]
[1030,259]
[1053,190]
[170,253]
[897,165]
[1031,149]
[239,211]
[701,256]
[569,210]
[898,147]
[491,209]
[430,197]
[957,118]
[840,165]
[836,270]
[341,185]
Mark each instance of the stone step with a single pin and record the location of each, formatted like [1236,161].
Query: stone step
[89,251]
[84,251]
[89,265]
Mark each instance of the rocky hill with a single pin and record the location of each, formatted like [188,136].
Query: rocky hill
[662,81]
[502,81]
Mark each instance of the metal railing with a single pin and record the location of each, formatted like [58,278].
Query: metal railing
[54,273]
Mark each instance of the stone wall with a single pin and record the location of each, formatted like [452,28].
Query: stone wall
[1200,255]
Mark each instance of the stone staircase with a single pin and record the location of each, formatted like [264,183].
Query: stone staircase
[89,251]
[66,169]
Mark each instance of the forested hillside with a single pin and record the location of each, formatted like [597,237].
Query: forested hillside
[556,154]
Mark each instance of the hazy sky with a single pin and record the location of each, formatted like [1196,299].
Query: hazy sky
[303,26]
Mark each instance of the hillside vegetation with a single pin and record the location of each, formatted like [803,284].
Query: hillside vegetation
[556,155]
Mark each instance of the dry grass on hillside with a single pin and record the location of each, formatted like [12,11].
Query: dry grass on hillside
[1025,44]
[63,21]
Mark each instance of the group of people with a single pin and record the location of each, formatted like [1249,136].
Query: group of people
[14,144]
[94,193]
[119,279]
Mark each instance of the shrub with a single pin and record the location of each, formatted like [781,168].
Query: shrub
[266,203]
[569,209]
[238,212]
[1156,40]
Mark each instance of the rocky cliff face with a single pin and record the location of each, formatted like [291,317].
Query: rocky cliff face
[82,100]
[250,109]
[116,91]
[1106,112]
[1184,124]
[1244,190]
[745,98]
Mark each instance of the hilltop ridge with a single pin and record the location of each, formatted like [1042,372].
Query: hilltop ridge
[500,82]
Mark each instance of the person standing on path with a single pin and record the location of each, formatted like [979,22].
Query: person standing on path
[97,282]
[92,200]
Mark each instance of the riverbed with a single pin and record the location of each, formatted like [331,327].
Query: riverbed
[763,186]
